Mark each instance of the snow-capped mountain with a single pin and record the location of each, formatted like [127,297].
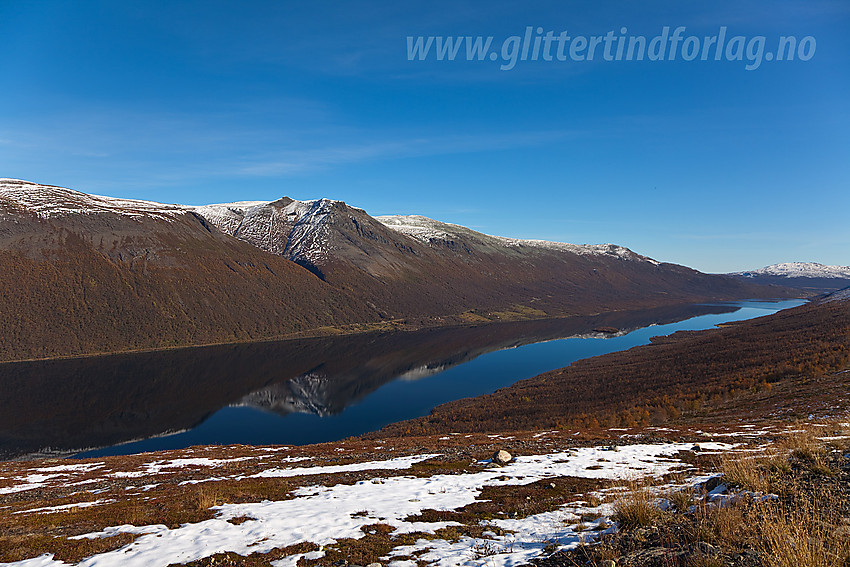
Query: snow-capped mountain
[83,273]
[295,229]
[430,231]
[805,275]
[801,270]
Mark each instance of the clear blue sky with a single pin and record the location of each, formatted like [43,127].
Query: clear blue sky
[702,163]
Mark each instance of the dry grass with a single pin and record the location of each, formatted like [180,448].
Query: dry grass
[807,534]
[208,497]
[682,499]
[754,471]
[720,525]
[809,451]
[705,561]
[636,507]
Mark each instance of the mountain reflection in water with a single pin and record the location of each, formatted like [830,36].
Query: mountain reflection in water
[66,405]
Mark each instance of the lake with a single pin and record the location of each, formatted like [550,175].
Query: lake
[305,390]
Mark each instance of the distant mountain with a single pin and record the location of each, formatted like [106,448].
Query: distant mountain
[801,275]
[83,274]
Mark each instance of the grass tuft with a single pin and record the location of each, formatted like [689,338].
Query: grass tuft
[636,507]
[806,535]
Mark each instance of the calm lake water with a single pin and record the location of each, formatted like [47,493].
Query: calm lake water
[308,390]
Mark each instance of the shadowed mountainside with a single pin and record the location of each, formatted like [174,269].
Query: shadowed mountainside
[81,274]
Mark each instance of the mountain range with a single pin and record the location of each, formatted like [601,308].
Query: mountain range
[801,275]
[83,274]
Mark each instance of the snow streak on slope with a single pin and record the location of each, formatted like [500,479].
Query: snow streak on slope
[47,201]
[295,229]
[428,230]
[800,270]
[840,295]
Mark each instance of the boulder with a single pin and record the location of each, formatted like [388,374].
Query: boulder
[502,457]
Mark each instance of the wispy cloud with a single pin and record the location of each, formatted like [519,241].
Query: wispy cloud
[296,161]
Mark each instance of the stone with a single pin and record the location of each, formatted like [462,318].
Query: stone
[712,483]
[502,457]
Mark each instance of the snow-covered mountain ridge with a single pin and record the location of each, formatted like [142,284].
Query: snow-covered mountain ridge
[428,230]
[799,270]
[296,229]
[48,201]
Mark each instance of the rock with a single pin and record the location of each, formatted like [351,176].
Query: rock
[696,449]
[374,565]
[502,457]
[842,532]
[711,483]
[606,330]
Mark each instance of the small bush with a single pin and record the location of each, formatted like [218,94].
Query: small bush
[756,472]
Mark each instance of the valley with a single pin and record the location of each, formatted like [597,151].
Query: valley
[85,275]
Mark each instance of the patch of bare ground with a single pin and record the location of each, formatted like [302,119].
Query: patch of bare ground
[252,560]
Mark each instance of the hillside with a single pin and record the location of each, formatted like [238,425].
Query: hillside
[83,274]
[760,361]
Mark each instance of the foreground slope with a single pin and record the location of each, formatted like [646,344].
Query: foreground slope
[82,274]
[705,489]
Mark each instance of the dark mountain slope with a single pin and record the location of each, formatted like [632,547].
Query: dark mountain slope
[417,267]
[105,280]
[82,274]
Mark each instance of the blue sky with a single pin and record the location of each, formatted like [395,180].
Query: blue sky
[702,163]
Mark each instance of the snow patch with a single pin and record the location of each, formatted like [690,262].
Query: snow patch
[324,514]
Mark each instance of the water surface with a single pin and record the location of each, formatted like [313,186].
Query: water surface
[307,390]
